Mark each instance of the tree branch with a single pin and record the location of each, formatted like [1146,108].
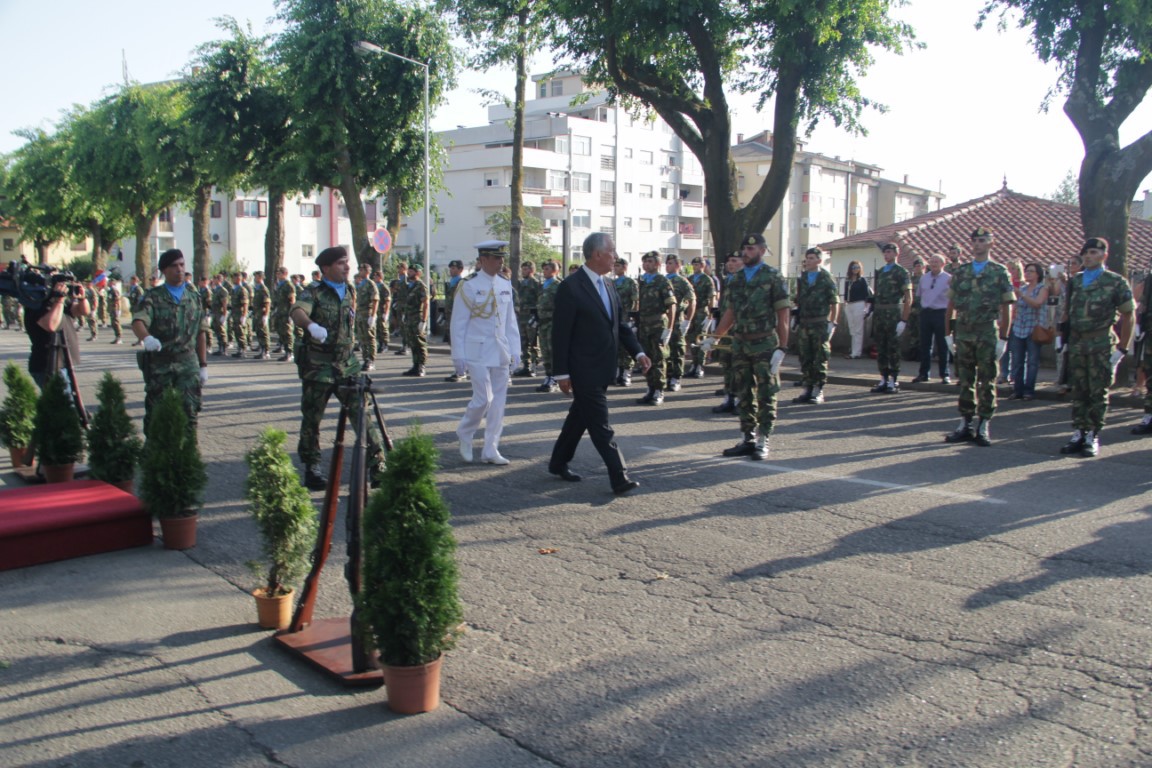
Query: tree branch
[1083,105]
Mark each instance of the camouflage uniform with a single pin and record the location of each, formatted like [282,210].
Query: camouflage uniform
[283,297]
[449,297]
[654,296]
[219,315]
[382,315]
[754,303]
[114,310]
[135,293]
[399,289]
[261,306]
[544,311]
[1092,311]
[528,296]
[722,352]
[629,298]
[176,325]
[977,300]
[101,305]
[912,331]
[415,300]
[229,329]
[892,282]
[1144,320]
[12,314]
[705,292]
[238,310]
[90,321]
[367,304]
[814,303]
[677,348]
[324,366]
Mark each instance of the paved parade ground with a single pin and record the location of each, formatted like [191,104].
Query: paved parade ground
[868,596]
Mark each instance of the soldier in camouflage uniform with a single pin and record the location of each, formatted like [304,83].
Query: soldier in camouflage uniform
[544,311]
[12,315]
[135,293]
[170,323]
[528,299]
[955,254]
[757,315]
[416,320]
[685,311]
[325,360]
[101,299]
[705,291]
[913,341]
[722,347]
[283,297]
[219,314]
[90,320]
[893,304]
[114,310]
[238,304]
[657,315]
[1143,323]
[455,269]
[976,327]
[261,316]
[1097,298]
[383,312]
[817,310]
[629,302]
[399,287]
[367,304]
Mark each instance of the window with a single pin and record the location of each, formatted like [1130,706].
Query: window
[309,210]
[672,160]
[628,153]
[667,224]
[307,252]
[216,209]
[9,244]
[667,191]
[608,224]
[646,191]
[557,180]
[645,157]
[627,187]
[251,209]
[557,87]
[627,222]
[79,245]
[370,213]
[607,192]
[581,219]
[491,178]
[581,145]
[645,225]
[831,227]
[543,89]
[581,182]
[561,145]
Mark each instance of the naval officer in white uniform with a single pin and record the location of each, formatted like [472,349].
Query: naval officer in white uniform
[485,342]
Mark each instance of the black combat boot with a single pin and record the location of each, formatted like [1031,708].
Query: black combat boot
[760,448]
[649,398]
[1074,445]
[804,397]
[314,479]
[963,433]
[1091,444]
[817,395]
[728,406]
[745,447]
[983,439]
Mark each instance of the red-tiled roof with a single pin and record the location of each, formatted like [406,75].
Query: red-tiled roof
[1023,226]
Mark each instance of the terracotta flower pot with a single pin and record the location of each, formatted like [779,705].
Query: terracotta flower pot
[273,612]
[412,690]
[58,473]
[19,456]
[179,532]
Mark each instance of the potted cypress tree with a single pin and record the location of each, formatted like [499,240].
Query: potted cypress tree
[58,435]
[286,518]
[409,579]
[113,443]
[172,476]
[18,414]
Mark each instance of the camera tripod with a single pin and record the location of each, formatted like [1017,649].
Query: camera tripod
[338,645]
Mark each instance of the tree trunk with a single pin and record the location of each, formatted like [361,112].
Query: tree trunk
[99,250]
[201,222]
[142,223]
[41,247]
[362,250]
[392,217]
[274,235]
[1104,209]
[516,210]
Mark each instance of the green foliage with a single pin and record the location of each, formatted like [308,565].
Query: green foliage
[534,245]
[17,414]
[229,263]
[283,512]
[41,193]
[113,443]
[172,476]
[82,267]
[59,436]
[1068,191]
[409,577]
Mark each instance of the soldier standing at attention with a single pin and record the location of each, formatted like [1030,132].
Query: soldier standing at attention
[657,307]
[416,320]
[170,323]
[283,297]
[685,311]
[914,316]
[219,314]
[1143,323]
[114,310]
[1097,298]
[367,304]
[723,347]
[757,314]
[325,311]
[383,310]
[455,268]
[954,254]
[629,304]
[818,309]
[528,299]
[204,291]
[98,285]
[705,290]
[399,287]
[90,295]
[238,312]
[545,311]
[261,308]
[976,326]
[890,317]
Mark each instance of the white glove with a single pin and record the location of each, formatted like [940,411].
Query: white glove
[707,344]
[1001,345]
[318,332]
[950,341]
[1059,343]
[900,326]
[152,344]
[1114,360]
[371,320]
[664,336]
[1138,334]
[203,375]
[684,327]
[831,328]
[459,366]
[515,362]
[777,358]
[423,327]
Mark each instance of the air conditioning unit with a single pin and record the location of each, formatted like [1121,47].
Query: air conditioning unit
[215,237]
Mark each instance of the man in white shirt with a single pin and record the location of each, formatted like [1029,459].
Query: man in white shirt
[485,342]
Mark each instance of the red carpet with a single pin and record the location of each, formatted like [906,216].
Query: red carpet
[43,523]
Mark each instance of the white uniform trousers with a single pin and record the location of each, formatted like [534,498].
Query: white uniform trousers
[489,393]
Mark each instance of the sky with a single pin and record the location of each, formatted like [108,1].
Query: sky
[963,114]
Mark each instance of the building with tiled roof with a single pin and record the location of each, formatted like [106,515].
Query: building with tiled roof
[1026,228]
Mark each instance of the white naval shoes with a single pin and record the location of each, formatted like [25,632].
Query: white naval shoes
[497,459]
[466,450]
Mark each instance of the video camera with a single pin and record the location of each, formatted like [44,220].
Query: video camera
[33,285]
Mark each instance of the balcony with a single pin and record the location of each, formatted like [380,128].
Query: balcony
[607,163]
[692,209]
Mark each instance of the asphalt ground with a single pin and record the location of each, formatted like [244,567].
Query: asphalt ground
[868,596]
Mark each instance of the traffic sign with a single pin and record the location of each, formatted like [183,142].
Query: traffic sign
[381,240]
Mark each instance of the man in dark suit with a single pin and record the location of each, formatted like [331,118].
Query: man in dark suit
[588,329]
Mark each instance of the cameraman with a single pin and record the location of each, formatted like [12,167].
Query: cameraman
[43,323]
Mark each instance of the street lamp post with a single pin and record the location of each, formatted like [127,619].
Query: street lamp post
[364,48]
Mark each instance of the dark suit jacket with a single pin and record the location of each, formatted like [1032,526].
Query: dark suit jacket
[585,341]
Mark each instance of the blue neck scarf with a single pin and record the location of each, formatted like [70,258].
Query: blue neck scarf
[978,266]
[811,278]
[1090,275]
[549,281]
[649,277]
[340,288]
[177,292]
[750,272]
[886,268]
